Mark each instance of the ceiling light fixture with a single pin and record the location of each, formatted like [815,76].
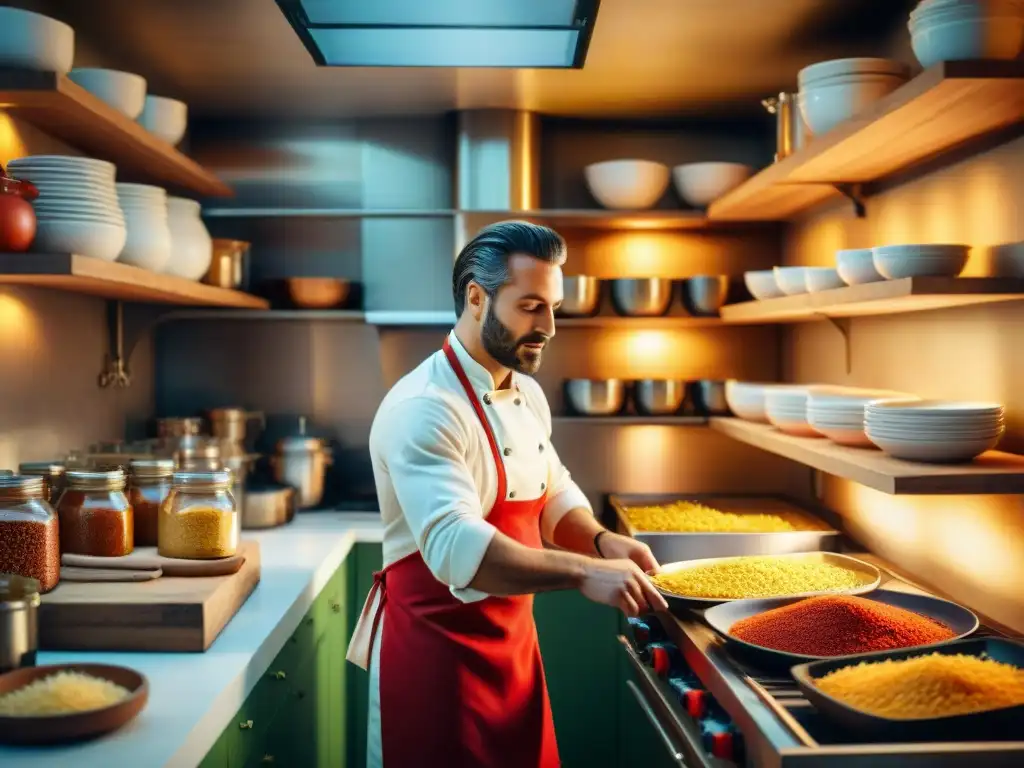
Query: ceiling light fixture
[539,34]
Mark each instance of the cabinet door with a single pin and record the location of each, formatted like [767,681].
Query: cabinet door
[577,642]
[217,757]
[366,559]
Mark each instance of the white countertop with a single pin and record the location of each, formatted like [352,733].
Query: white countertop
[193,696]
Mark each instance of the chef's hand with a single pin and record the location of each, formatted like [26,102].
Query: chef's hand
[614,546]
[620,584]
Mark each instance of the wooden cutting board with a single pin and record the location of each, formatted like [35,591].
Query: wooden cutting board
[166,614]
[147,559]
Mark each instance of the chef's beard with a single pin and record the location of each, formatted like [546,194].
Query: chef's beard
[508,351]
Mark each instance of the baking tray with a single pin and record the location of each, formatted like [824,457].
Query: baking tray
[844,561]
[676,546]
[994,725]
[722,617]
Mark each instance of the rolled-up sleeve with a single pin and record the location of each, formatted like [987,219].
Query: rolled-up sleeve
[423,445]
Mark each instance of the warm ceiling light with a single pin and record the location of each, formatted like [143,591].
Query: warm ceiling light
[529,34]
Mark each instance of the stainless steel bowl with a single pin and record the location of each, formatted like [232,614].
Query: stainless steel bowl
[704,295]
[659,397]
[642,297]
[581,296]
[595,397]
[709,397]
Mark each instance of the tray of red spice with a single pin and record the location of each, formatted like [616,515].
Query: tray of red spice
[776,633]
[971,690]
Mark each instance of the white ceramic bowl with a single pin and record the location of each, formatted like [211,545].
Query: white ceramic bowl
[762,284]
[627,184]
[792,280]
[840,68]
[826,106]
[897,262]
[747,400]
[822,279]
[933,451]
[936,13]
[165,118]
[33,41]
[100,240]
[699,184]
[148,244]
[968,38]
[856,266]
[124,91]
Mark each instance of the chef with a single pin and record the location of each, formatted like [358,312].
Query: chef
[470,489]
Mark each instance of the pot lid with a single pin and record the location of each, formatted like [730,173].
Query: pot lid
[300,441]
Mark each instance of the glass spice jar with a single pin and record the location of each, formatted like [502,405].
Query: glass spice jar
[52,473]
[29,536]
[198,519]
[149,484]
[94,515]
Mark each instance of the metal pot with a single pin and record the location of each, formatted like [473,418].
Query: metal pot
[659,397]
[175,427]
[19,621]
[789,124]
[301,462]
[268,507]
[581,296]
[231,423]
[704,295]
[709,397]
[642,297]
[595,397]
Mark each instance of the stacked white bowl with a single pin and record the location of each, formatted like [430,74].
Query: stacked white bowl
[700,184]
[856,266]
[149,237]
[958,30]
[77,210]
[838,412]
[32,41]
[786,407]
[165,118]
[792,280]
[627,184]
[747,399]
[898,261]
[124,91]
[939,431]
[832,92]
[822,279]
[762,284]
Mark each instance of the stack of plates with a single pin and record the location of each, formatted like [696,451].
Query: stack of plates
[149,237]
[838,412]
[786,407]
[939,431]
[747,400]
[77,209]
[898,261]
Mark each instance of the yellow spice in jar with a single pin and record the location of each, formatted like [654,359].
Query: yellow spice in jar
[689,516]
[759,577]
[197,532]
[936,685]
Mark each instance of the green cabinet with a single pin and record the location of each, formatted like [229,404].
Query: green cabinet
[366,559]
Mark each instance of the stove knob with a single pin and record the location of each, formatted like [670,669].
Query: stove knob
[641,631]
[662,657]
[695,702]
[722,745]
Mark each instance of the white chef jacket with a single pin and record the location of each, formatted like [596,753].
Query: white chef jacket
[436,480]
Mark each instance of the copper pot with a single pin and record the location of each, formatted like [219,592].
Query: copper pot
[227,268]
[318,292]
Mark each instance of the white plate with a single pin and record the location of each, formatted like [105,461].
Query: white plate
[61,161]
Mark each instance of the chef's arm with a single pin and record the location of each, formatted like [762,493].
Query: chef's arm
[576,530]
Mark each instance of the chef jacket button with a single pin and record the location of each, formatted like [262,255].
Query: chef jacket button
[543,486]
[518,401]
[487,399]
[540,448]
[511,494]
[507,451]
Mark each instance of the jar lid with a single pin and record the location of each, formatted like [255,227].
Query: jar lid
[18,592]
[81,479]
[152,467]
[49,468]
[218,478]
[24,485]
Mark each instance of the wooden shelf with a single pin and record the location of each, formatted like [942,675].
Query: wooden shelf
[994,472]
[428,317]
[887,297]
[326,213]
[941,109]
[625,421]
[601,219]
[81,274]
[332,315]
[59,107]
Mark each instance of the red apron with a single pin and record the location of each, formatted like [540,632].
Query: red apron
[462,684]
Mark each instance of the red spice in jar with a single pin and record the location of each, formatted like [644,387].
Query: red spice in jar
[31,548]
[837,625]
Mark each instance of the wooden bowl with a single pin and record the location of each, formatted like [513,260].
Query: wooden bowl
[51,729]
[318,292]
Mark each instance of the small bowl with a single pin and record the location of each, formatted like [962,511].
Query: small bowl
[704,295]
[595,397]
[581,296]
[124,91]
[822,279]
[658,397]
[895,262]
[35,42]
[856,266]
[627,184]
[642,297]
[51,729]
[165,118]
[318,292]
[700,184]
[762,284]
[792,280]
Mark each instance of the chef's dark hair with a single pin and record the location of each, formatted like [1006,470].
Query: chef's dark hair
[484,260]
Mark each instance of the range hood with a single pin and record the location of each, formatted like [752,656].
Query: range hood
[522,34]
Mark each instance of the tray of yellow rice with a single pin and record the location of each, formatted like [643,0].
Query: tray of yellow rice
[968,690]
[710,581]
[705,525]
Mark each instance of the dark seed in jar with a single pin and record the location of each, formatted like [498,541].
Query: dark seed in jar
[32,549]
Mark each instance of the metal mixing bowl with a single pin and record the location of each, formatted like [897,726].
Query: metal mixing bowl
[642,297]
[659,397]
[704,295]
[595,397]
[581,296]
[709,397]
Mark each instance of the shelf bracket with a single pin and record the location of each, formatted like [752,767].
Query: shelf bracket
[844,326]
[855,194]
[126,325]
